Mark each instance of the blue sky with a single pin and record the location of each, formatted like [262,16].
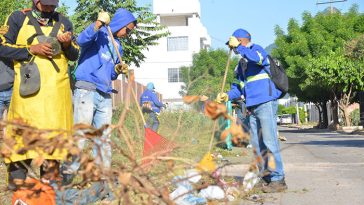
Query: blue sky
[259,17]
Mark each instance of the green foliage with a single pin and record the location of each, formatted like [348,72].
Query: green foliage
[147,34]
[292,111]
[289,110]
[335,71]
[63,9]
[302,115]
[355,117]
[280,109]
[9,6]
[206,74]
[313,54]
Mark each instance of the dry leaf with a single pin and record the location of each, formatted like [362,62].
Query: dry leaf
[271,162]
[214,110]
[96,175]
[82,126]
[74,151]
[224,135]
[18,182]
[170,164]
[124,178]
[38,161]
[191,99]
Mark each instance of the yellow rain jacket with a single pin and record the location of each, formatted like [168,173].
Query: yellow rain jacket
[51,107]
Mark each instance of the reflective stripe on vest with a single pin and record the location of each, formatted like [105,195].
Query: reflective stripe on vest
[239,82]
[257,77]
[260,58]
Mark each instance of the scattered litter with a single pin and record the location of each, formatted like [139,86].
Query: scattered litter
[184,194]
[254,197]
[282,138]
[207,163]
[193,176]
[249,146]
[212,193]
[232,193]
[220,181]
[250,179]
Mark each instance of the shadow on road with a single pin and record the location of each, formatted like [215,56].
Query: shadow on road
[312,130]
[337,143]
[322,133]
[325,137]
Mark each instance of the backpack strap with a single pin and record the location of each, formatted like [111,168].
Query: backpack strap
[269,74]
[36,25]
[56,26]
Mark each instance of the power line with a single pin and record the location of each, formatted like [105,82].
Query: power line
[330,2]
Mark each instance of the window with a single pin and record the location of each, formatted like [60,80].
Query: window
[179,43]
[174,75]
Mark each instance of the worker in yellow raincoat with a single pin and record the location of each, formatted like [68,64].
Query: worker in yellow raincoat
[40,42]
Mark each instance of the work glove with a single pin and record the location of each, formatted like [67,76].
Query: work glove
[222,97]
[104,18]
[233,42]
[122,69]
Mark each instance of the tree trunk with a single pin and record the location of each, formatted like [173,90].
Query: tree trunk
[320,115]
[346,116]
[343,104]
[325,122]
[335,115]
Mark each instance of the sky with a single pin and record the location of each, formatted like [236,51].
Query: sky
[259,17]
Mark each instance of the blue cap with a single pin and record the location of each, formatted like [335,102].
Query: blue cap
[150,86]
[241,33]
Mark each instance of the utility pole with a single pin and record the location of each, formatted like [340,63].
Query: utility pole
[330,2]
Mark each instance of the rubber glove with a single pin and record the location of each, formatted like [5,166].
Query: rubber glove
[233,42]
[104,17]
[222,97]
[122,69]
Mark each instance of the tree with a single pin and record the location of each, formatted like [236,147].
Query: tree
[314,55]
[148,31]
[206,73]
[9,6]
[63,9]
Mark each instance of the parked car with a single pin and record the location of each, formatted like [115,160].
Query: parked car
[286,119]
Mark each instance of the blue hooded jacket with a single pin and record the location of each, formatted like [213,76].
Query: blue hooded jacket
[98,56]
[254,83]
[150,96]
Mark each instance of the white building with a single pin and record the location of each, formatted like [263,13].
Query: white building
[187,36]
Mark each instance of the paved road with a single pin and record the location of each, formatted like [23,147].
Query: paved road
[322,168]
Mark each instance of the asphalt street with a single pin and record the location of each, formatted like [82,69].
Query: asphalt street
[322,168]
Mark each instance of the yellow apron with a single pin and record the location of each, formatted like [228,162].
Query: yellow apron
[51,107]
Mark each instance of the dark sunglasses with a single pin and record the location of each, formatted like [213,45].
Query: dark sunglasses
[128,30]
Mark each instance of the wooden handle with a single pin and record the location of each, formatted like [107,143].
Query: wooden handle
[114,44]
